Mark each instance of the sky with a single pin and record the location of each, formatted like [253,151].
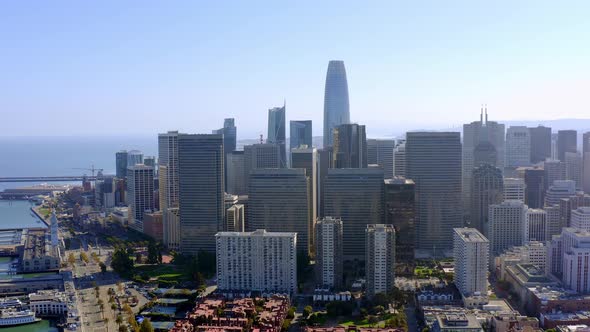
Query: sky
[143,67]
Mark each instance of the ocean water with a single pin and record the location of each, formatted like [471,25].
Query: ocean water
[18,214]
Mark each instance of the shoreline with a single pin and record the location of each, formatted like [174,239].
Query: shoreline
[46,222]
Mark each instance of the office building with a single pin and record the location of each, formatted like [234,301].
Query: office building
[554,171]
[236,179]
[573,168]
[171,228]
[336,107]
[140,184]
[168,169]
[540,144]
[263,155]
[580,218]
[586,162]
[471,252]
[380,258]
[153,225]
[568,256]
[535,227]
[355,196]
[350,146]
[506,229]
[400,204]
[433,162]
[514,189]
[380,152]
[399,159]
[234,218]
[534,179]
[276,132]
[121,164]
[487,188]
[201,190]
[134,157]
[481,133]
[567,141]
[518,146]
[300,134]
[324,164]
[150,161]
[560,189]
[257,261]
[279,201]
[229,132]
[307,158]
[328,253]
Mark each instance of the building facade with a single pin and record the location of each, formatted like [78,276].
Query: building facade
[276,132]
[380,258]
[487,188]
[328,253]
[140,190]
[350,146]
[471,252]
[506,228]
[336,107]
[380,152]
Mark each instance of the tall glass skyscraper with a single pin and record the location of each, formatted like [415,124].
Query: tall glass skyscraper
[336,107]
[300,134]
[276,132]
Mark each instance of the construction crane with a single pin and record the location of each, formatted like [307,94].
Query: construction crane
[92,169]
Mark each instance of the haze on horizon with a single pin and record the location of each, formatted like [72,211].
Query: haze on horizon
[112,68]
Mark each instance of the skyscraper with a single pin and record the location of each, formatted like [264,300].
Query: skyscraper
[134,157]
[540,143]
[140,184]
[356,196]
[554,170]
[573,168]
[328,243]
[518,146]
[276,132]
[380,152]
[201,194]
[400,204]
[168,158]
[484,133]
[229,132]
[307,158]
[514,189]
[567,141]
[380,258]
[433,161]
[121,164]
[399,158]
[471,252]
[586,161]
[236,178]
[535,228]
[279,201]
[263,155]
[534,179]
[560,189]
[506,228]
[336,107]
[350,146]
[300,134]
[487,188]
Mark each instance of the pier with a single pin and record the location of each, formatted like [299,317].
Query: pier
[65,178]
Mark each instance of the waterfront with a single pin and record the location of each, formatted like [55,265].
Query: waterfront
[17,214]
[42,326]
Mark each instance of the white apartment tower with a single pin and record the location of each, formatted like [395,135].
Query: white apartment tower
[380,258]
[471,253]
[140,187]
[328,254]
[257,261]
[506,222]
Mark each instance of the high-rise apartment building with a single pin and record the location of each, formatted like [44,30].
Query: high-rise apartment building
[471,252]
[433,162]
[328,253]
[518,146]
[140,184]
[336,107]
[573,168]
[487,188]
[350,146]
[506,228]
[257,261]
[540,144]
[300,134]
[481,133]
[355,196]
[380,152]
[514,189]
[168,158]
[534,179]
[567,141]
[400,204]
[201,190]
[276,132]
[279,201]
[380,258]
[121,164]
[535,225]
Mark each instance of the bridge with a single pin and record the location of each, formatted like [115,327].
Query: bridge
[66,178]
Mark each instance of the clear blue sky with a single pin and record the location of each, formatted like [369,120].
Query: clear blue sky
[127,67]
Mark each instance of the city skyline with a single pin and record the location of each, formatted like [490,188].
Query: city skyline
[174,64]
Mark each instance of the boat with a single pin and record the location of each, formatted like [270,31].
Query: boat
[13,317]
[10,303]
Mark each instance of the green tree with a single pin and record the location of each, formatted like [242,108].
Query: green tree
[307,311]
[121,263]
[381,299]
[146,326]
[103,267]
[71,259]
[152,256]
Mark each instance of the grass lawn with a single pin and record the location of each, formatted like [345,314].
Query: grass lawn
[167,272]
[365,323]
